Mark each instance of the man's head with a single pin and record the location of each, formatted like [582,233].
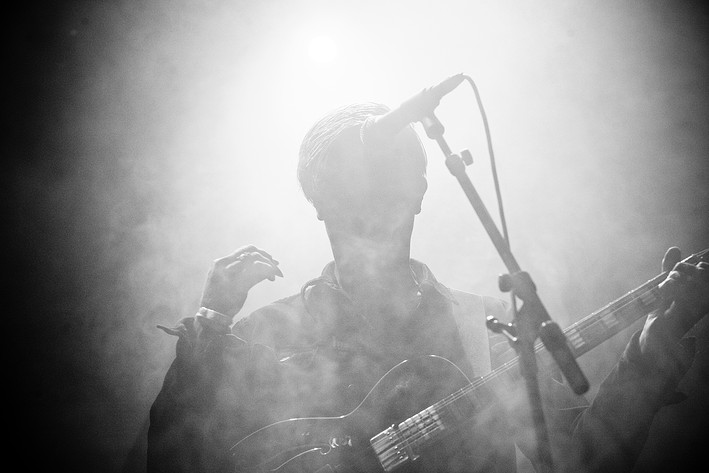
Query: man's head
[344,180]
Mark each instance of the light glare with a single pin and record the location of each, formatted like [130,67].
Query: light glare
[322,49]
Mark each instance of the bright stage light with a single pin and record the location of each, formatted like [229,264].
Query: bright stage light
[322,49]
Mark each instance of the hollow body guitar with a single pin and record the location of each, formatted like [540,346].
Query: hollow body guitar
[400,424]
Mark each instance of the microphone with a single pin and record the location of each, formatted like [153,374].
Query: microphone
[380,129]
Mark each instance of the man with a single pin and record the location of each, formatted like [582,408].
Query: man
[320,352]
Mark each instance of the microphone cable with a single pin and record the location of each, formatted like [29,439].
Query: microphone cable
[491,154]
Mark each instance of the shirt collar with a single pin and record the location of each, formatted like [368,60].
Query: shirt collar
[422,273]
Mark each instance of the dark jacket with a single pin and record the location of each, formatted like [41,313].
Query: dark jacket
[312,355]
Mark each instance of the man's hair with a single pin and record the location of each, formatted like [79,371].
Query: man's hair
[315,149]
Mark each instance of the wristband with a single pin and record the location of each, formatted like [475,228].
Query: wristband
[215,316]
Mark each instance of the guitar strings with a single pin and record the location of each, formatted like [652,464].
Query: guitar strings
[648,288]
[429,429]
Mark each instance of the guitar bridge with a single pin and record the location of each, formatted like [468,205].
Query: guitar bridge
[389,450]
[336,442]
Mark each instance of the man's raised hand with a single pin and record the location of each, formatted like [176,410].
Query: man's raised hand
[231,277]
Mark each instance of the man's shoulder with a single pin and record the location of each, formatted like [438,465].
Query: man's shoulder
[461,300]
[486,349]
[490,305]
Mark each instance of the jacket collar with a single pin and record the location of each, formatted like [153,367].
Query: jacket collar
[424,277]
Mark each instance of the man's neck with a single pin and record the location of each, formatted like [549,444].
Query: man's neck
[375,275]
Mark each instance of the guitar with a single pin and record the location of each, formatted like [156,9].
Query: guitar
[374,438]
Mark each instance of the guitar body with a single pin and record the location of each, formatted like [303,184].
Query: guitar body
[342,444]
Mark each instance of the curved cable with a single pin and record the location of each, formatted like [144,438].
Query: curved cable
[491,153]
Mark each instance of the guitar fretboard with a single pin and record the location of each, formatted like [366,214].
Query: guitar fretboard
[598,327]
[582,337]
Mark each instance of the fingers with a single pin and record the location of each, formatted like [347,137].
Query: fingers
[241,253]
[682,275]
[688,286]
[245,252]
[685,272]
[672,256]
[258,264]
[232,276]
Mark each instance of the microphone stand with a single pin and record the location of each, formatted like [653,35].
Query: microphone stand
[532,320]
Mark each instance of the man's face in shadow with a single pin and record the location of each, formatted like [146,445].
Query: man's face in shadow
[373,194]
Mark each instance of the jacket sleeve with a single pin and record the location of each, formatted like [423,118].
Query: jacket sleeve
[610,434]
[194,419]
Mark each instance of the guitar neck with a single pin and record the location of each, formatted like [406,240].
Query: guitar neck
[582,337]
[611,319]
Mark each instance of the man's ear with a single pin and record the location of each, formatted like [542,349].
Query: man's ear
[320,210]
